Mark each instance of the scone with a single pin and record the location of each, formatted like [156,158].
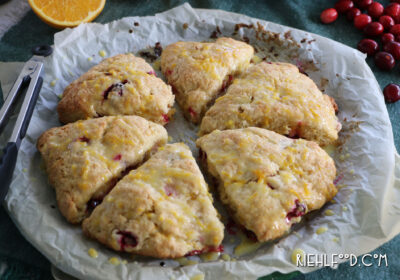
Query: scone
[119,85]
[162,209]
[268,181]
[198,72]
[275,96]
[85,159]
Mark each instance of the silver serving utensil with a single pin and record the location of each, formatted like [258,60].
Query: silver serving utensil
[30,79]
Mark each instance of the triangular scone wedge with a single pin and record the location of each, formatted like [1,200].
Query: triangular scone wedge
[119,85]
[268,181]
[275,96]
[85,159]
[198,72]
[162,209]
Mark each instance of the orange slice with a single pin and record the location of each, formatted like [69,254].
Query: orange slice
[66,13]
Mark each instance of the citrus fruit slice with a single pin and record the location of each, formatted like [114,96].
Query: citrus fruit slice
[66,13]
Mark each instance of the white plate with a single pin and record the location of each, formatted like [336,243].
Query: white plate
[373,215]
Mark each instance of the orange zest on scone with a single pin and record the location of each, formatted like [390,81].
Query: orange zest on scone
[275,96]
[268,181]
[119,85]
[162,209]
[85,159]
[199,72]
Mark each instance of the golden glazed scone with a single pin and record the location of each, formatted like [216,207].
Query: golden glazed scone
[198,72]
[85,159]
[268,181]
[119,85]
[275,96]
[162,209]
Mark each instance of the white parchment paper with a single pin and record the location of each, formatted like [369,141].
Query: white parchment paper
[366,212]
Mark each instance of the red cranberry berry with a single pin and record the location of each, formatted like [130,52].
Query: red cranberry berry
[375,10]
[373,29]
[397,38]
[368,46]
[392,10]
[384,61]
[352,13]
[329,15]
[397,19]
[298,210]
[362,21]
[84,139]
[387,22]
[126,239]
[391,93]
[343,6]
[393,48]
[395,30]
[386,38]
[363,4]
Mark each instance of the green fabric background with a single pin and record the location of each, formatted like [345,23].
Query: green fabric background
[25,262]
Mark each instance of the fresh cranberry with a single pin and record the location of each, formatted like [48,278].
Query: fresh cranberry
[362,21]
[384,61]
[343,6]
[373,29]
[387,22]
[329,15]
[127,239]
[386,38]
[393,48]
[117,157]
[393,10]
[368,46]
[391,93]
[395,30]
[396,19]
[352,13]
[375,10]
[298,210]
[363,4]
[397,38]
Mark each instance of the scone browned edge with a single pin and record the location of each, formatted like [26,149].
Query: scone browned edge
[234,165]
[72,199]
[82,99]
[162,209]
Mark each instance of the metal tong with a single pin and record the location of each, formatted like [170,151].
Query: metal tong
[30,79]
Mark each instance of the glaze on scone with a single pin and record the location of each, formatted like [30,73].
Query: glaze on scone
[275,96]
[198,72]
[119,85]
[268,181]
[85,159]
[162,209]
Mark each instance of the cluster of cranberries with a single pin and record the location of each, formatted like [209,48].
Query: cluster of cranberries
[377,23]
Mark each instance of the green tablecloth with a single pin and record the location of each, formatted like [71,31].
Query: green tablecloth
[24,262]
